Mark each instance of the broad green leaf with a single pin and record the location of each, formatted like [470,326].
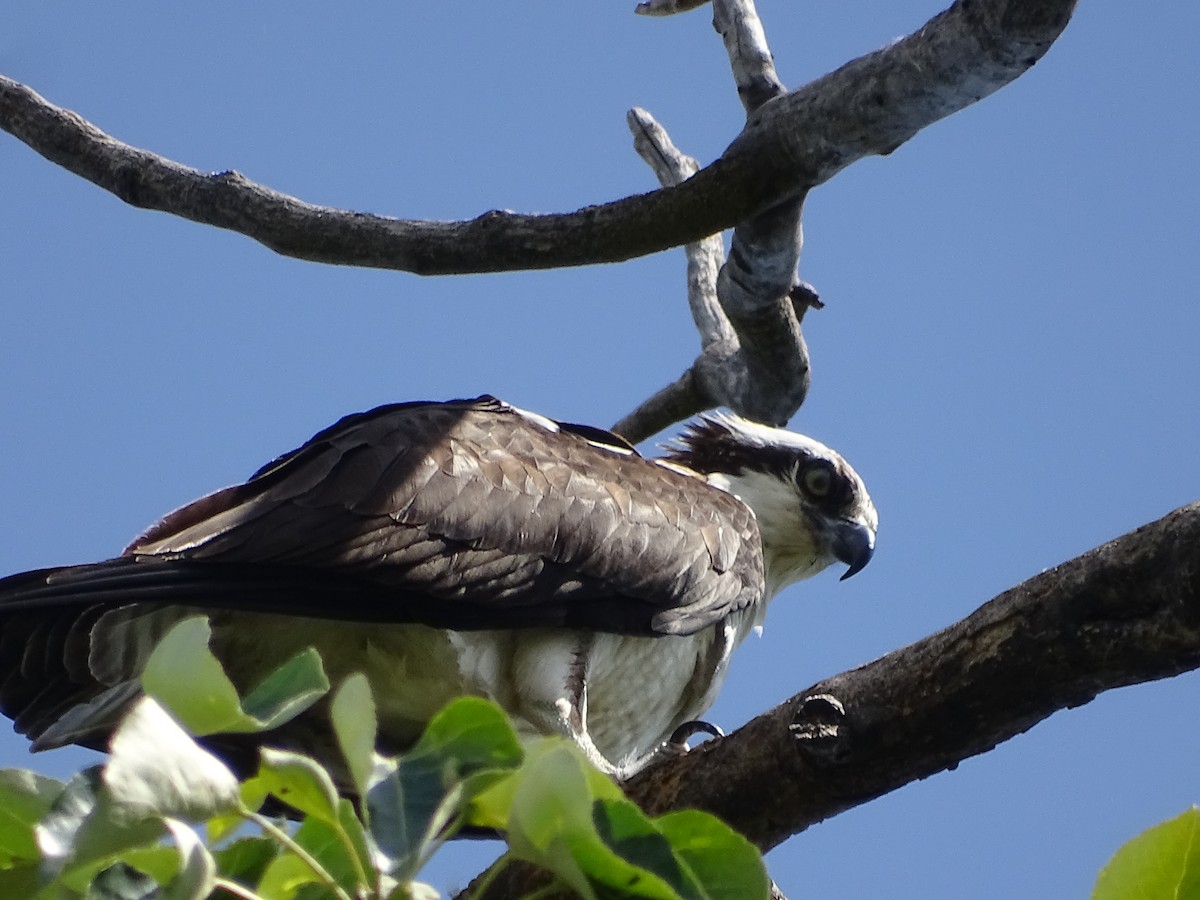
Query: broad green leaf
[20,880]
[284,877]
[288,691]
[160,861]
[24,798]
[1162,863]
[569,819]
[254,793]
[184,675]
[246,859]
[489,794]
[300,782]
[416,802]
[335,850]
[474,733]
[84,833]
[550,821]
[221,826]
[648,866]
[197,871]
[356,835]
[156,769]
[399,809]
[722,862]
[355,724]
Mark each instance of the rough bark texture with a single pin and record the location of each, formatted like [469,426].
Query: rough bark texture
[790,144]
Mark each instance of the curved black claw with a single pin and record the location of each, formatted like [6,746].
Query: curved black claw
[681,735]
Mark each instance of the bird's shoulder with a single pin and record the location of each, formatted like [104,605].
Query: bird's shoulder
[482,504]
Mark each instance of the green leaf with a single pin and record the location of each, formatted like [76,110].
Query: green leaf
[288,691]
[24,798]
[489,798]
[246,859]
[300,782]
[185,676]
[20,880]
[197,871]
[84,833]
[356,836]
[156,769]
[472,732]
[550,821]
[1163,862]
[722,862]
[355,724]
[399,810]
[160,861]
[646,865]
[331,847]
[567,818]
[415,803]
[284,878]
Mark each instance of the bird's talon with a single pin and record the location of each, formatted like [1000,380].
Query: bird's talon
[681,735]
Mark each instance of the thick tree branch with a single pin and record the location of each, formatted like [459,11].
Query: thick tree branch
[791,144]
[1124,613]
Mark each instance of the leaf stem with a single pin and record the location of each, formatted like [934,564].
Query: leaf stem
[303,855]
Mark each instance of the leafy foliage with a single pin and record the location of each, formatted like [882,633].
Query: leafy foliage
[129,829]
[1160,864]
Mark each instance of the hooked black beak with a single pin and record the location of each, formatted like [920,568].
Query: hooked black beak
[853,544]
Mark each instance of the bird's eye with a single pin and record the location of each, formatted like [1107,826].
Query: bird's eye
[818,480]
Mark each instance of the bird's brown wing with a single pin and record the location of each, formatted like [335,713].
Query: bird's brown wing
[468,514]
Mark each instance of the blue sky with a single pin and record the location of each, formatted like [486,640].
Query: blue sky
[1008,353]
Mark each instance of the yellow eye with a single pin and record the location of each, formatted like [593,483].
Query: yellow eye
[818,481]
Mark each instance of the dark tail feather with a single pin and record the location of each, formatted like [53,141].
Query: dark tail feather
[253,587]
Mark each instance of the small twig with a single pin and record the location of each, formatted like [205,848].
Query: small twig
[704,258]
[666,7]
[674,403]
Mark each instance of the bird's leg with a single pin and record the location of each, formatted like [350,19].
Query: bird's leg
[572,719]
[572,722]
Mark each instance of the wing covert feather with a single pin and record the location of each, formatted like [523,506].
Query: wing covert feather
[474,499]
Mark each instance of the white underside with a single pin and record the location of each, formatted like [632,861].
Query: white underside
[638,689]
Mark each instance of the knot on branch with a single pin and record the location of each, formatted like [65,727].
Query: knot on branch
[819,728]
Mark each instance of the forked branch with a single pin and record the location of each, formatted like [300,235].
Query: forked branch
[790,145]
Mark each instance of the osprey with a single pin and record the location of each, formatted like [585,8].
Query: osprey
[442,549]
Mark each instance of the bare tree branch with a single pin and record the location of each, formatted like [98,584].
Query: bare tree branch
[749,56]
[1125,613]
[753,356]
[791,144]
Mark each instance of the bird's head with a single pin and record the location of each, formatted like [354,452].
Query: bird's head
[812,508]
